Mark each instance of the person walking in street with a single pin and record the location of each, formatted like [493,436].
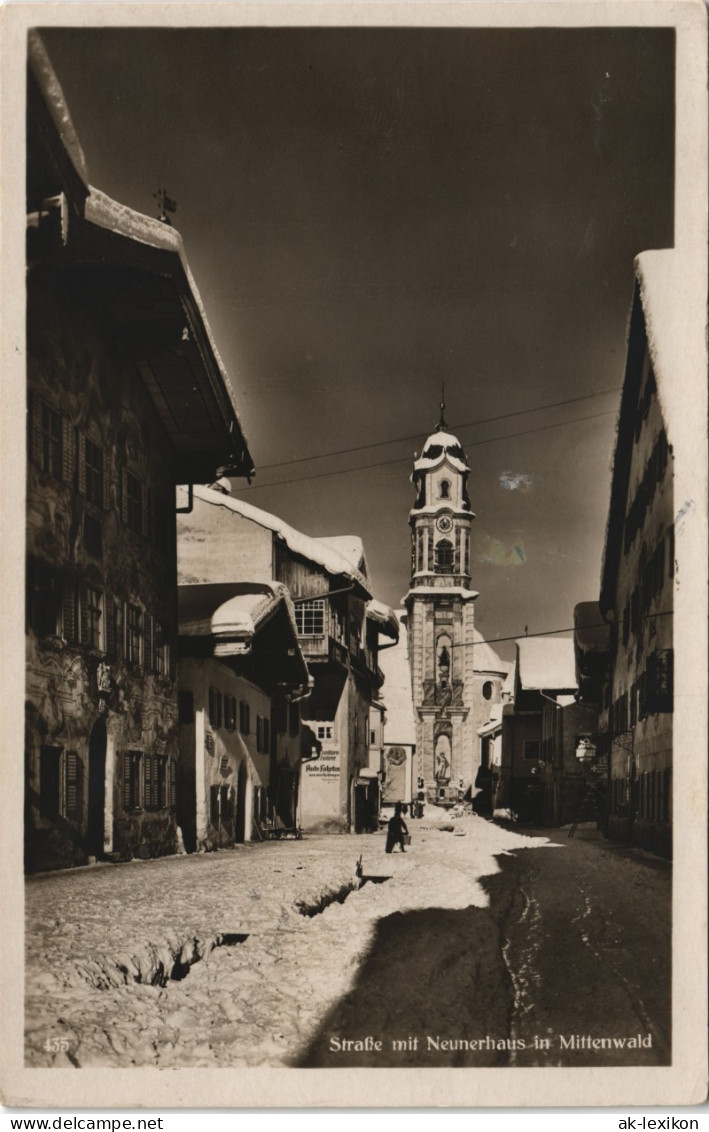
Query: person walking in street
[396,829]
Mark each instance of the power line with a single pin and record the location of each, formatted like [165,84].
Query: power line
[550,632]
[415,436]
[406,459]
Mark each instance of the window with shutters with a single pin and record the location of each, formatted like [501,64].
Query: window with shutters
[133,503]
[155,782]
[50,782]
[172,800]
[94,473]
[134,634]
[115,644]
[70,608]
[131,780]
[244,718]
[266,735]
[73,785]
[93,536]
[92,619]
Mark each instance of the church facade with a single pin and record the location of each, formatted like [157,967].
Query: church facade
[455,676]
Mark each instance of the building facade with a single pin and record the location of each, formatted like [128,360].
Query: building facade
[126,399]
[242,677]
[455,675]
[223,539]
[639,575]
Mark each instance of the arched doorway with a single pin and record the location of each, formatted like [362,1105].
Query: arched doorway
[97,790]
[241,804]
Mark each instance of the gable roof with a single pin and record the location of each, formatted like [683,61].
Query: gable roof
[317,551]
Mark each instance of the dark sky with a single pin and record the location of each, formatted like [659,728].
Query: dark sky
[369,213]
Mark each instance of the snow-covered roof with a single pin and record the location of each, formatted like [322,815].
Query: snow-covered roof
[205,611]
[48,83]
[384,617]
[400,724]
[350,547]
[442,445]
[312,549]
[662,278]
[494,723]
[101,210]
[546,663]
[232,613]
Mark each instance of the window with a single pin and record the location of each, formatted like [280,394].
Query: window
[324,731]
[49,782]
[134,634]
[263,735]
[230,713]
[93,472]
[487,690]
[50,451]
[44,600]
[244,718]
[92,619]
[310,618]
[93,536]
[131,780]
[444,556]
[531,750]
[444,489]
[215,707]
[372,738]
[132,502]
[155,782]
[185,708]
[161,649]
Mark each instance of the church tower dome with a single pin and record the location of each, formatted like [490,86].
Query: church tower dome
[441,517]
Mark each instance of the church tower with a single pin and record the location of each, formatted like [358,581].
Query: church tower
[451,685]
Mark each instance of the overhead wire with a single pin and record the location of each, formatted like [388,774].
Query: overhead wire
[406,459]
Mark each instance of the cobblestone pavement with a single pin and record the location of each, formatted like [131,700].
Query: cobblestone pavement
[209,960]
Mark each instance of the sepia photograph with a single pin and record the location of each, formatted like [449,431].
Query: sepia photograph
[357,377]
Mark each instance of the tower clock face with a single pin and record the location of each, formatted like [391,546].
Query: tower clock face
[444,524]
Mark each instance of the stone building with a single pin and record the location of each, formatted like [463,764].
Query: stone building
[223,539]
[399,766]
[241,679]
[639,576]
[126,399]
[455,674]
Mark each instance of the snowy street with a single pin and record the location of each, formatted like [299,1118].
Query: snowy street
[247,957]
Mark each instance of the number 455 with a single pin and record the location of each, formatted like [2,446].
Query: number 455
[57,1045]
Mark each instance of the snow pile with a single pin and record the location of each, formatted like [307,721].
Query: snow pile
[350,547]
[48,83]
[442,446]
[385,617]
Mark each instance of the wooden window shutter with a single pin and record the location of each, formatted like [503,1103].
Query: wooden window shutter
[124,496]
[69,611]
[145,502]
[73,785]
[148,782]
[173,784]
[68,447]
[148,643]
[127,781]
[82,464]
[110,626]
